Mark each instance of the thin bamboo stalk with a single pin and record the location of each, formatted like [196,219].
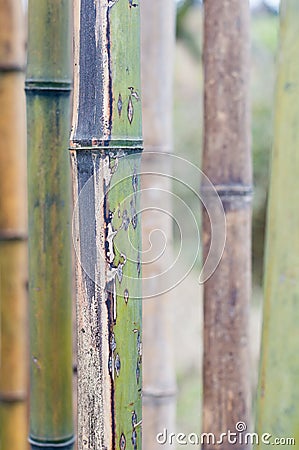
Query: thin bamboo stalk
[48,86]
[105,152]
[278,393]
[227,162]
[13,229]
[159,385]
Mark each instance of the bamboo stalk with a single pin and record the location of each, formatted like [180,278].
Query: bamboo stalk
[278,394]
[13,229]
[105,153]
[227,162]
[159,385]
[48,86]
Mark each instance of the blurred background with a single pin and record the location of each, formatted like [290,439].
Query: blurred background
[187,138]
[188,120]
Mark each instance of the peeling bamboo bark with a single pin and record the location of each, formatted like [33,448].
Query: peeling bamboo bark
[105,152]
[227,162]
[48,87]
[278,393]
[13,229]
[159,385]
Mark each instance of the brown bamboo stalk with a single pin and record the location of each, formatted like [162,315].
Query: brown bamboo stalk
[227,162]
[13,229]
[157,51]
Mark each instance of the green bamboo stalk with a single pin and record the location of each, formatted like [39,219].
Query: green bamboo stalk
[48,86]
[227,162]
[157,51]
[105,151]
[278,393]
[13,229]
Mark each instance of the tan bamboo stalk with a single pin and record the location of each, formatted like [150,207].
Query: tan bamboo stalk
[13,229]
[227,162]
[106,147]
[278,393]
[157,51]
[48,87]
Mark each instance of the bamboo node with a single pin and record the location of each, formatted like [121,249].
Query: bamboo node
[66,445]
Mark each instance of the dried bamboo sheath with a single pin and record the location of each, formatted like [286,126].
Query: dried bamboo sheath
[13,229]
[48,86]
[227,162]
[105,152]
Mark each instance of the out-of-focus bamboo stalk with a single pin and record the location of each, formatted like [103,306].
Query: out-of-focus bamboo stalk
[227,162]
[278,392]
[48,87]
[159,386]
[105,149]
[13,229]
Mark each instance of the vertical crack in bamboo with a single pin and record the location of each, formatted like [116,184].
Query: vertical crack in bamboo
[105,149]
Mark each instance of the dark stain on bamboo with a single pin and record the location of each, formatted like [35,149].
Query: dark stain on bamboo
[86,218]
[139,355]
[130,110]
[119,104]
[125,220]
[126,296]
[110,91]
[134,432]
[132,5]
[122,442]
[138,263]
[91,100]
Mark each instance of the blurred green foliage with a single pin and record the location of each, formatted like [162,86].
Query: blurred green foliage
[183,32]
[264,44]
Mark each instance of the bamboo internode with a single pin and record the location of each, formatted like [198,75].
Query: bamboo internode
[48,87]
